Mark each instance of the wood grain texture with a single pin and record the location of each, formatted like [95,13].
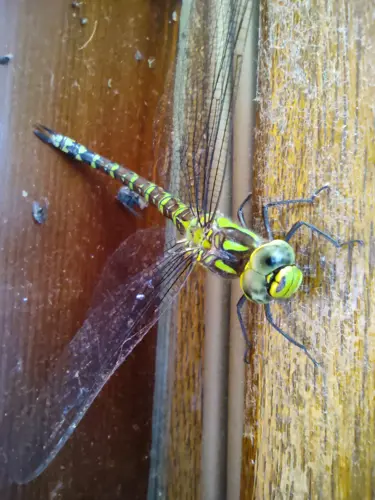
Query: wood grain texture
[309,433]
[185,434]
[100,94]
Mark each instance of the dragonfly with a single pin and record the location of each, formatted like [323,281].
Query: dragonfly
[266,267]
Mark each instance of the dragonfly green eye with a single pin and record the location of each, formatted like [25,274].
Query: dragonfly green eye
[271,256]
[271,273]
[286,282]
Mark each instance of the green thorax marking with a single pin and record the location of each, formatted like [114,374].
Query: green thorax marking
[225,247]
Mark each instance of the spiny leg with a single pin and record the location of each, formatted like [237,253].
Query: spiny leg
[287,202]
[271,321]
[289,235]
[314,229]
[240,215]
[240,305]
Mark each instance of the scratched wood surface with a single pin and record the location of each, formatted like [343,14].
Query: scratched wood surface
[83,80]
[309,433]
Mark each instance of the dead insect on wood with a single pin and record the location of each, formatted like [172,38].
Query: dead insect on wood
[130,200]
[4,60]
[40,211]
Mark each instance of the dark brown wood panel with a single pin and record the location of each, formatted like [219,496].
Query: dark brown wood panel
[83,80]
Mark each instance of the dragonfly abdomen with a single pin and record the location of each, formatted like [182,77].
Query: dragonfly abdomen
[170,206]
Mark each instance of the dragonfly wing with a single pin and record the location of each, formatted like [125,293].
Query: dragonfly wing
[206,80]
[109,334]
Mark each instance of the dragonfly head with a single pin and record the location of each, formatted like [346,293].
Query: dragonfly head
[271,273]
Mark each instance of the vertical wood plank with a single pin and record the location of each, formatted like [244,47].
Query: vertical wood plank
[83,80]
[185,432]
[309,432]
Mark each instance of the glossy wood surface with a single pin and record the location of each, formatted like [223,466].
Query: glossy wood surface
[82,79]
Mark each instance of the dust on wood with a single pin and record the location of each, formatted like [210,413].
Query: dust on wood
[309,433]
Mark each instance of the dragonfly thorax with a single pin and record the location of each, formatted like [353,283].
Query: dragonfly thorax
[198,234]
[271,273]
[223,246]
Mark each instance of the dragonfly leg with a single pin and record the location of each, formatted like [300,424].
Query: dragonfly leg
[240,305]
[240,215]
[287,202]
[314,229]
[271,321]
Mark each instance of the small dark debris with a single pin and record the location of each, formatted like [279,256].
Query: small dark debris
[84,21]
[76,5]
[4,60]
[138,56]
[40,212]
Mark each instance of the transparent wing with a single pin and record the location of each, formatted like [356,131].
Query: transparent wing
[113,328]
[206,74]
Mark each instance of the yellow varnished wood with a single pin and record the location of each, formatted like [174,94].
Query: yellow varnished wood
[310,433]
[185,452]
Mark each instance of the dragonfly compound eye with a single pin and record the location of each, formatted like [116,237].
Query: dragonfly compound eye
[271,256]
[285,282]
[271,273]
